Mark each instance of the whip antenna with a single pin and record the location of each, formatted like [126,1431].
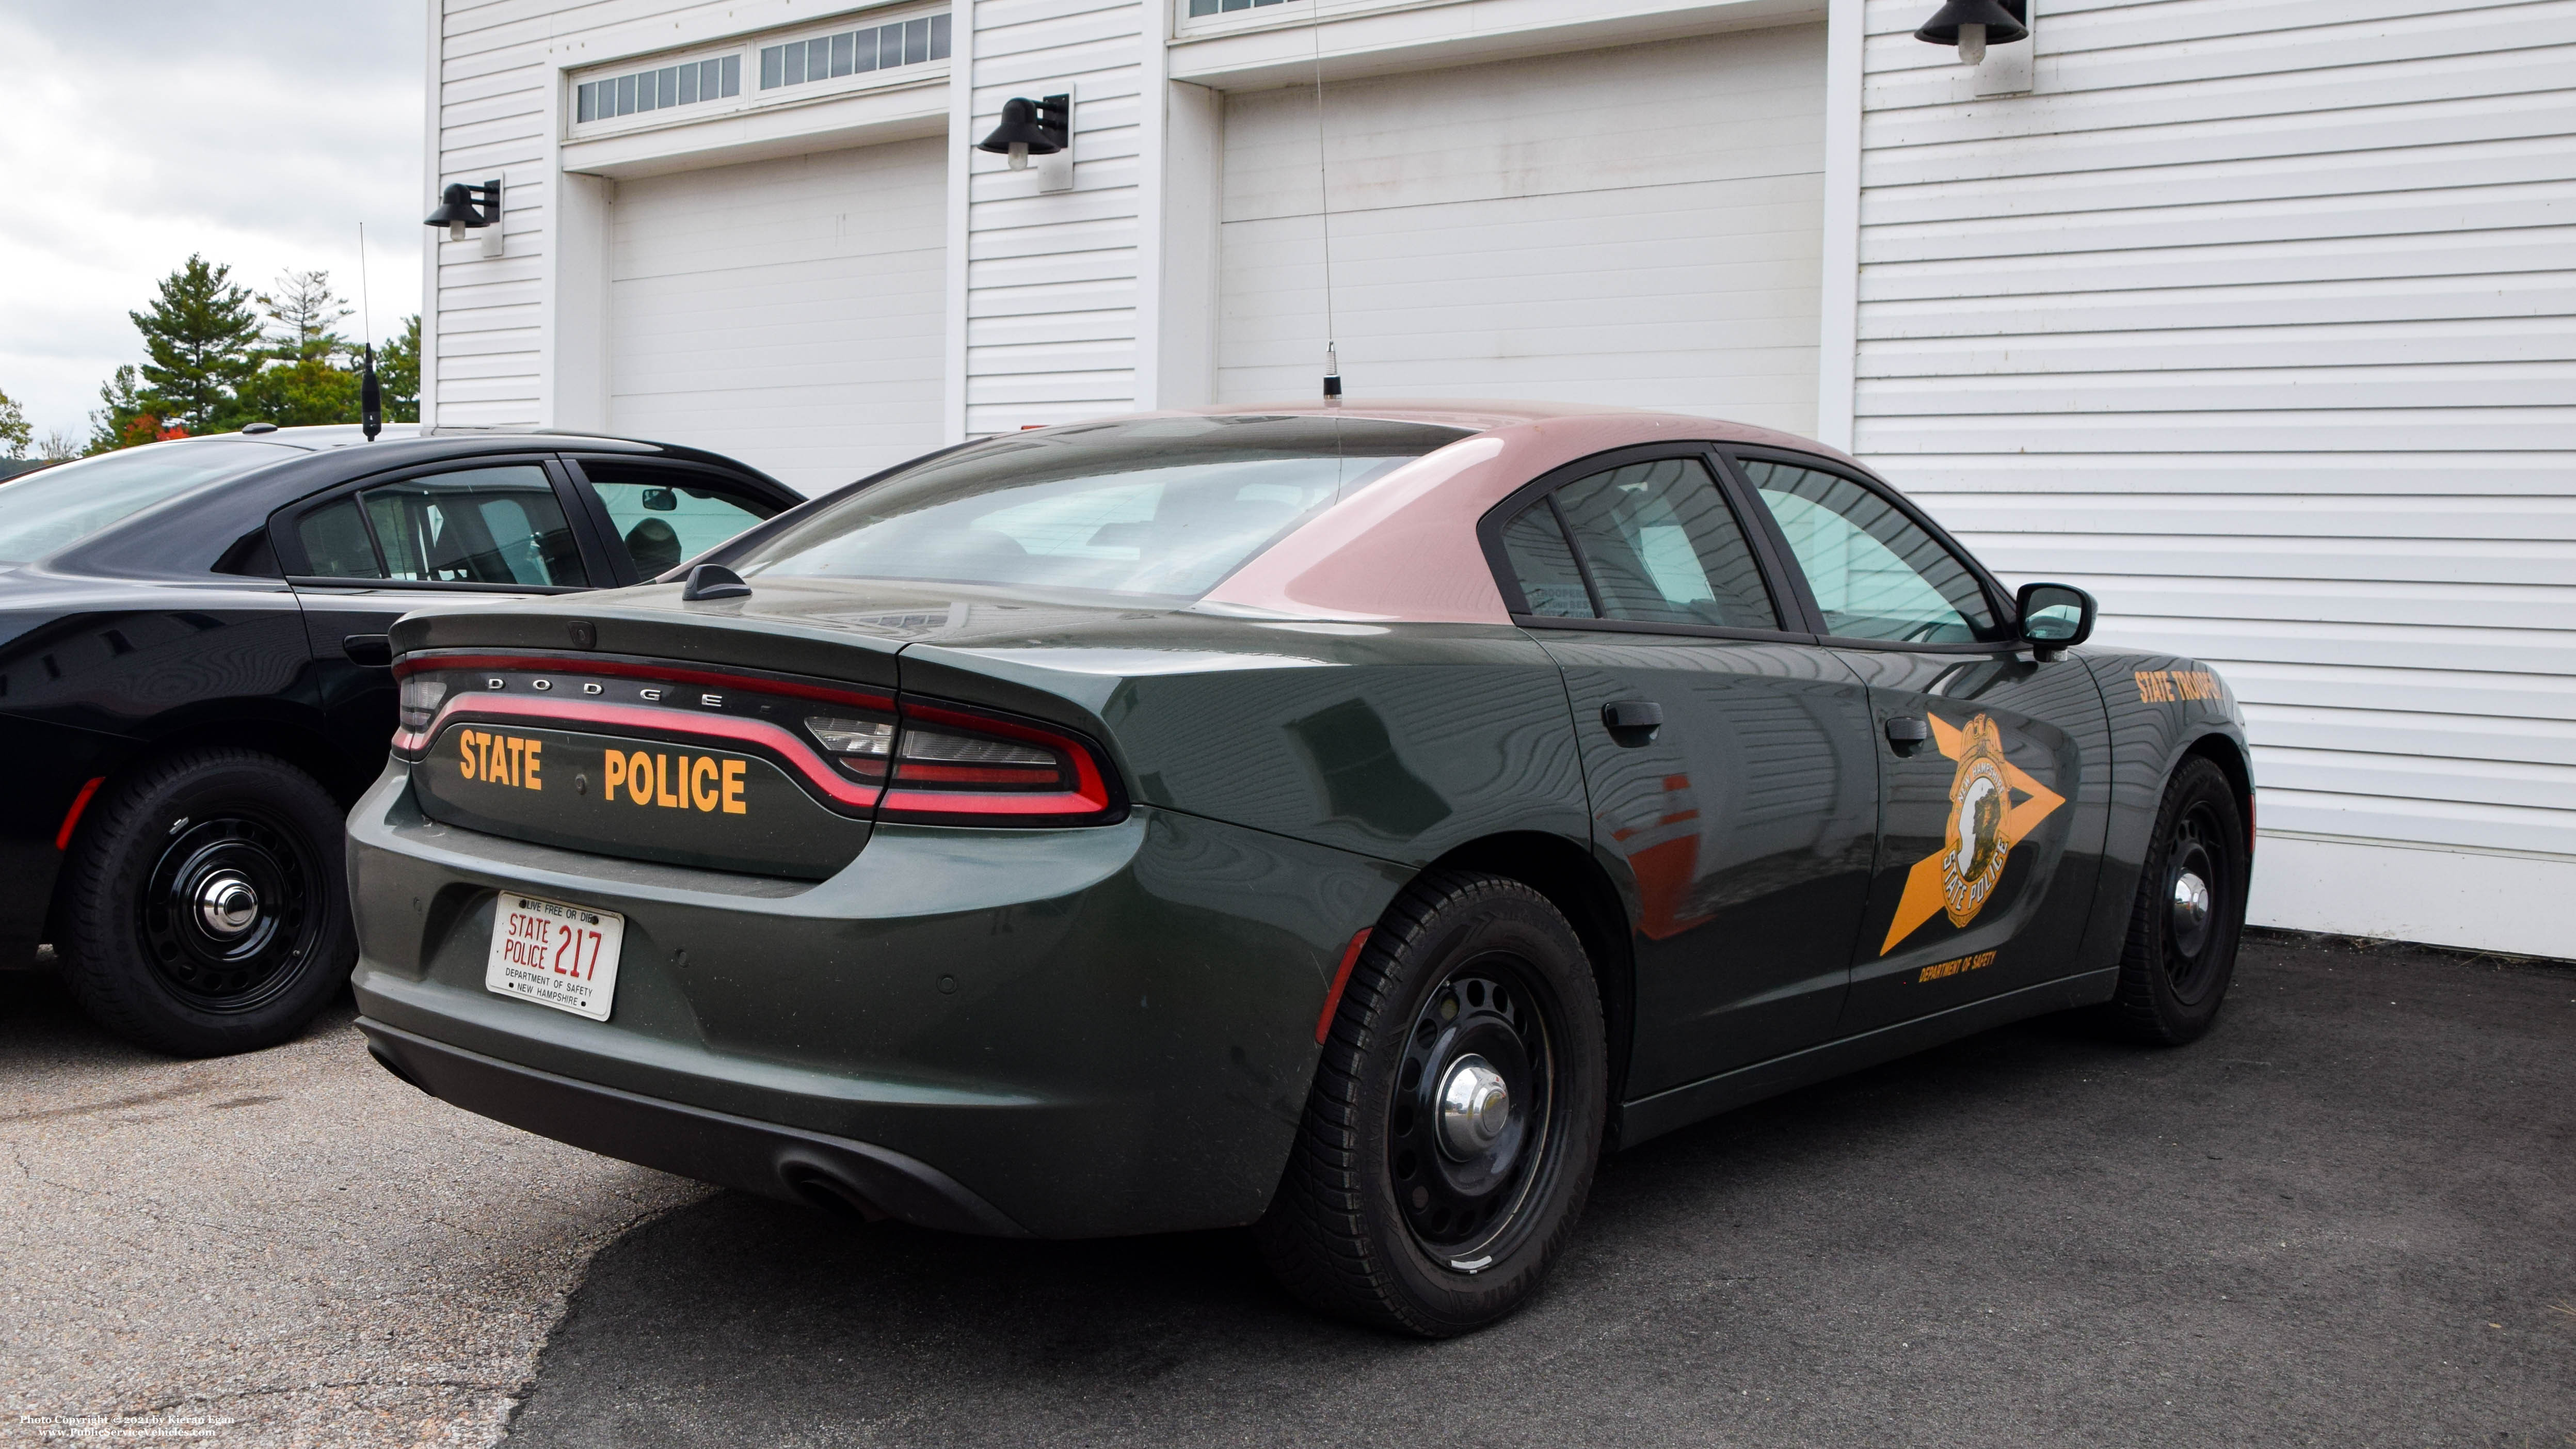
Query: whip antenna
[1324,197]
[371,393]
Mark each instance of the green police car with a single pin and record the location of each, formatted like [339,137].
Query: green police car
[1347,820]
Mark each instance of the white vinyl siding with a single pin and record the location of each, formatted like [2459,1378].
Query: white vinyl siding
[1051,278]
[2259,320]
[1638,226]
[484,315]
[785,312]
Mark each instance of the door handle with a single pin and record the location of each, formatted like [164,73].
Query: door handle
[372,650]
[1906,734]
[1632,722]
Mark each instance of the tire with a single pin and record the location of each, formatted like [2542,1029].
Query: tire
[1396,1214]
[2179,960]
[205,907]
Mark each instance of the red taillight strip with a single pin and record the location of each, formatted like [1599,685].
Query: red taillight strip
[710,726]
[1089,795]
[411,664]
[1341,980]
[71,817]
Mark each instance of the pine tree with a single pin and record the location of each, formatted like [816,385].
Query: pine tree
[302,384]
[398,370]
[304,316]
[199,341]
[114,426]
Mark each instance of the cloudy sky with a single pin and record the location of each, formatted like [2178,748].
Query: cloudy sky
[259,133]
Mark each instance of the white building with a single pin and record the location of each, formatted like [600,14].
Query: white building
[2252,316]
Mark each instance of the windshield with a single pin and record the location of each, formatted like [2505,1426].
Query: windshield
[46,512]
[1157,506]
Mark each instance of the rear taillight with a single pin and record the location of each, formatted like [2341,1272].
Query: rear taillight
[419,705]
[861,744]
[961,767]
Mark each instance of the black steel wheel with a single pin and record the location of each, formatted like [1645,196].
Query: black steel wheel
[205,905]
[228,914]
[2190,911]
[1451,1133]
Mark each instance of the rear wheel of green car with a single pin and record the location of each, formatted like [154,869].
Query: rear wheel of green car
[2189,913]
[1451,1133]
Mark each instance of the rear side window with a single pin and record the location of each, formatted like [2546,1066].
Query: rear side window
[1663,547]
[1158,507]
[499,525]
[1543,563]
[336,545]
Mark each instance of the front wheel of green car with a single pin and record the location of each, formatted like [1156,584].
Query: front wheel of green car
[2189,914]
[1450,1137]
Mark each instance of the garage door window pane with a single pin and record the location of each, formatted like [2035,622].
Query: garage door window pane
[1875,574]
[336,544]
[481,526]
[1664,548]
[1543,563]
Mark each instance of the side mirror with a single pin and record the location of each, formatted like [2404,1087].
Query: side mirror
[2054,617]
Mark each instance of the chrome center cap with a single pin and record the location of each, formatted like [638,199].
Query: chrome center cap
[2190,904]
[1475,1107]
[226,904]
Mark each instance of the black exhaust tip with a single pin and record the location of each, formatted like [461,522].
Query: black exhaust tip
[828,1192]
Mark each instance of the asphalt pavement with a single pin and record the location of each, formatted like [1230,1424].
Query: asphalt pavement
[2347,1217]
[288,1247]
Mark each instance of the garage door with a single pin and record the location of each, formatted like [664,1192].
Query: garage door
[1638,226]
[786,312]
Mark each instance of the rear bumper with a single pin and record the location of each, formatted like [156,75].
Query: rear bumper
[1090,1032]
[832,1173]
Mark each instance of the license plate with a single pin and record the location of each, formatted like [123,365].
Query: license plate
[554,954]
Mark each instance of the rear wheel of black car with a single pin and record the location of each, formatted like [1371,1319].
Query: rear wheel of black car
[206,908]
[1456,1117]
[2190,912]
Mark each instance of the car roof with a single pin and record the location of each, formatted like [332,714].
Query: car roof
[1405,548]
[185,534]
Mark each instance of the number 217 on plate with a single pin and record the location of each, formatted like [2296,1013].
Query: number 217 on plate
[554,954]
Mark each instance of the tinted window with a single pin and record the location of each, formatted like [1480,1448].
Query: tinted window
[480,526]
[1664,548]
[47,512]
[1156,506]
[336,545]
[662,517]
[1551,583]
[1875,573]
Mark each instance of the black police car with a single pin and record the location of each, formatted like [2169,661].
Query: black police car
[194,682]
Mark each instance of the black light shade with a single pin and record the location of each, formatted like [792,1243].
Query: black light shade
[1028,127]
[2003,27]
[461,205]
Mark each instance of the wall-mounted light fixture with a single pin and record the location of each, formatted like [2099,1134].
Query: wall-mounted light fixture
[1972,25]
[463,208]
[1043,128]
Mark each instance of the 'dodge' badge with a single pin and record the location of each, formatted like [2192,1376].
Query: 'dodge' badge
[1986,822]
